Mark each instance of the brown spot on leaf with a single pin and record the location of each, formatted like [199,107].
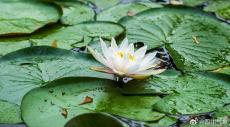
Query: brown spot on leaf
[54,44]
[64,112]
[87,100]
[130,13]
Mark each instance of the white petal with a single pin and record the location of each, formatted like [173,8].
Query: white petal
[145,74]
[124,44]
[149,57]
[106,53]
[150,72]
[133,68]
[98,57]
[114,44]
[141,52]
[149,65]
[130,49]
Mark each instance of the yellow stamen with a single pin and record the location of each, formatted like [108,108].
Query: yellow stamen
[120,54]
[131,57]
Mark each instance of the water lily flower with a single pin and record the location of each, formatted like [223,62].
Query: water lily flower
[123,60]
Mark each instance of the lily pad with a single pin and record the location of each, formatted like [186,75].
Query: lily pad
[101,4]
[75,12]
[115,13]
[164,122]
[10,113]
[195,40]
[185,94]
[8,45]
[220,7]
[34,67]
[68,94]
[95,120]
[23,17]
[63,37]
[77,35]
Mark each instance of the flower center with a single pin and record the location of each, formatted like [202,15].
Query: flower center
[131,57]
[120,54]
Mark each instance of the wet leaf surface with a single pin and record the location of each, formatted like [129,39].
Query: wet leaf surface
[204,46]
[33,15]
[106,98]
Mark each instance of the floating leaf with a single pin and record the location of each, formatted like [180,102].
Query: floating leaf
[195,40]
[34,67]
[115,13]
[185,94]
[44,104]
[22,17]
[75,12]
[64,37]
[220,7]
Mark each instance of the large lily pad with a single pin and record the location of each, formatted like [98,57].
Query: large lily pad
[8,45]
[75,12]
[78,35]
[115,13]
[68,94]
[20,17]
[195,40]
[185,94]
[220,7]
[63,37]
[34,67]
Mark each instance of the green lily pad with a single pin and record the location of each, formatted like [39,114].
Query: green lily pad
[34,67]
[22,17]
[185,94]
[63,37]
[220,7]
[195,40]
[78,35]
[101,4]
[115,13]
[8,45]
[165,121]
[95,120]
[75,12]
[68,94]
[10,113]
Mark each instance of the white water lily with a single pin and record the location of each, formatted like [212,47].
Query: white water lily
[123,60]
